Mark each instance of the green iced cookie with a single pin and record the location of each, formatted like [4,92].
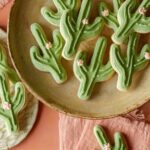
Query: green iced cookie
[48,57]
[95,72]
[77,29]
[11,104]
[129,16]
[104,143]
[4,67]
[61,5]
[126,66]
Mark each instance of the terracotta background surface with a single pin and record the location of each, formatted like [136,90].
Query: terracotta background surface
[44,135]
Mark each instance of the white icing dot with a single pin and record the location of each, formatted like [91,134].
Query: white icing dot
[80,62]
[6,106]
[105,13]
[142,11]
[85,21]
[48,45]
[106,146]
[147,55]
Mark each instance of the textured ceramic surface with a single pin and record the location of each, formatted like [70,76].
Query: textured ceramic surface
[26,118]
[106,101]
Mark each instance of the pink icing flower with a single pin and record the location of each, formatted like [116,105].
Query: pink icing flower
[106,146]
[6,106]
[3,3]
[106,13]
[80,62]
[48,45]
[147,55]
[142,11]
[85,21]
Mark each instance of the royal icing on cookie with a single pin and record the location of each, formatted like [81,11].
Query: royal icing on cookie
[48,57]
[127,65]
[11,105]
[126,22]
[4,67]
[76,29]
[61,5]
[104,143]
[95,72]
[109,17]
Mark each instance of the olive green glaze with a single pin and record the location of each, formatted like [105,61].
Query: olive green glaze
[104,142]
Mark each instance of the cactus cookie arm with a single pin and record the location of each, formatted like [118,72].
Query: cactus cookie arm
[50,16]
[142,62]
[61,5]
[101,136]
[106,72]
[93,29]
[108,16]
[3,58]
[80,68]
[86,5]
[38,61]
[4,67]
[120,143]
[58,43]
[124,13]
[143,26]
[117,4]
[19,97]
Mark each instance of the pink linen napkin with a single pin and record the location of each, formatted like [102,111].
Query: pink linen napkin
[3,3]
[77,134]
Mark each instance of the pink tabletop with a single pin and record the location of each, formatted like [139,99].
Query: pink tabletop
[44,135]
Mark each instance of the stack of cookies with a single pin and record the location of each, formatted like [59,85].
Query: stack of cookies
[128,20]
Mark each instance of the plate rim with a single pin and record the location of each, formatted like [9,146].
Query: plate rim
[57,107]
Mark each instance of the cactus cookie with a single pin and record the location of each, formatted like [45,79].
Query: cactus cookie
[48,59]
[130,22]
[133,62]
[95,72]
[61,5]
[77,29]
[110,17]
[126,22]
[104,143]
[11,104]
[4,67]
